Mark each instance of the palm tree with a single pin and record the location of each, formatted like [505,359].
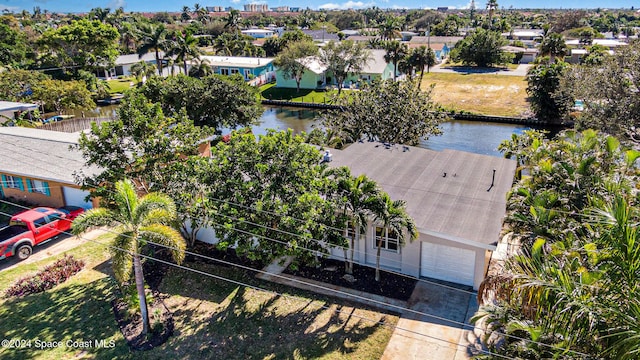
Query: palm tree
[142,71]
[153,38]
[553,44]
[201,68]
[390,29]
[232,20]
[359,196]
[395,221]
[492,5]
[135,221]
[186,13]
[422,57]
[396,51]
[184,47]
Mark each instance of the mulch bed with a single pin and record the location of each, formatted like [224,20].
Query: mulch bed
[131,326]
[331,271]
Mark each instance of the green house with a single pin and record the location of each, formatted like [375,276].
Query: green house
[314,76]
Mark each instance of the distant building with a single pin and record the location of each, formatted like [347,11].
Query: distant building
[259,33]
[216,9]
[256,7]
[281,9]
[443,8]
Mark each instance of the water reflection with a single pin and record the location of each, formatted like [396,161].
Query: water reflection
[472,136]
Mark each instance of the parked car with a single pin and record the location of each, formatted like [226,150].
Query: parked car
[34,227]
[56,118]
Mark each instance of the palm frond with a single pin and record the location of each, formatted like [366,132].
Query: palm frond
[166,236]
[93,218]
[121,255]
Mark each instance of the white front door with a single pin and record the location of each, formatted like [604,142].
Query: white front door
[447,263]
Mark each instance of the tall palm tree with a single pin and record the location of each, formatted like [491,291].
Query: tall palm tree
[184,47]
[420,58]
[186,13]
[135,221]
[492,5]
[390,29]
[396,51]
[553,44]
[358,198]
[393,217]
[232,20]
[153,38]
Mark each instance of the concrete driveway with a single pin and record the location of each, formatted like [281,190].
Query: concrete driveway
[425,337]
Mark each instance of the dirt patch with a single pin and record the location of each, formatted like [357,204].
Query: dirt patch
[161,321]
[332,272]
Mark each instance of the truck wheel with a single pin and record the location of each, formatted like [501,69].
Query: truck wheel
[24,251]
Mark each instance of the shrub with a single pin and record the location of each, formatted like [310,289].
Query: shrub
[50,276]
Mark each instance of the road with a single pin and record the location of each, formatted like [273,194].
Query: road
[520,71]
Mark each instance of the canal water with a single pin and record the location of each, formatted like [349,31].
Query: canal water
[472,136]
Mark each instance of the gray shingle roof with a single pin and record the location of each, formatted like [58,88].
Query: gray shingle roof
[40,154]
[457,205]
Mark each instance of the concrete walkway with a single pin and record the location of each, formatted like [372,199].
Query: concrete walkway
[426,337]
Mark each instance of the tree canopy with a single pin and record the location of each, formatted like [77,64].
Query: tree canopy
[83,44]
[387,111]
[549,100]
[482,48]
[214,101]
[344,58]
[293,60]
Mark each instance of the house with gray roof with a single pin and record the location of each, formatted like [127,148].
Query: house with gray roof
[38,166]
[457,200]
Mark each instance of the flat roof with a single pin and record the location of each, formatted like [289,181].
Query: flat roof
[41,154]
[17,106]
[446,191]
[245,62]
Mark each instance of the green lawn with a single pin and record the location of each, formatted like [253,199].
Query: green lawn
[213,318]
[120,85]
[271,92]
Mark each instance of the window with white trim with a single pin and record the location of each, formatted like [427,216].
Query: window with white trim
[234,71]
[350,231]
[13,182]
[37,186]
[388,239]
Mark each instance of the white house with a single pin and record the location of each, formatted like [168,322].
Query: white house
[259,33]
[457,200]
[10,110]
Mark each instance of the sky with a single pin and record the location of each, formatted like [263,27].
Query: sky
[173,5]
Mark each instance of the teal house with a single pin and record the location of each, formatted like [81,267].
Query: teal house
[253,69]
[316,76]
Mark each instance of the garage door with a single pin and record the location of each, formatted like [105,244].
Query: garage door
[447,263]
[76,197]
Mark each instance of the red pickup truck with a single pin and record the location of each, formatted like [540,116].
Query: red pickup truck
[34,227]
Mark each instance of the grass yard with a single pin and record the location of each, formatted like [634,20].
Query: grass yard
[213,318]
[271,92]
[120,85]
[501,95]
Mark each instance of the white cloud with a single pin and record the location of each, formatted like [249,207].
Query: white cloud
[235,1]
[398,7]
[347,5]
[114,4]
